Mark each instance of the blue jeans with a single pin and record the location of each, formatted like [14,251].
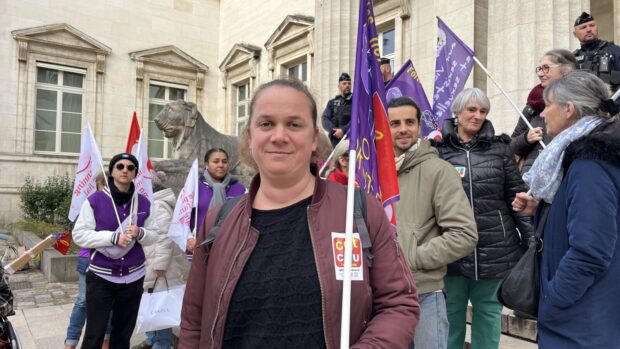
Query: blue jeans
[78,314]
[160,339]
[432,329]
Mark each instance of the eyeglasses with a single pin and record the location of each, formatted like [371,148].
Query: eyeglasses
[121,167]
[545,68]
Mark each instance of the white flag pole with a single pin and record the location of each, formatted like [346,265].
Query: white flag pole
[507,97]
[197,201]
[134,194]
[118,219]
[345,321]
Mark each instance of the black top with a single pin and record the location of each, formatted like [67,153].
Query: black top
[277,301]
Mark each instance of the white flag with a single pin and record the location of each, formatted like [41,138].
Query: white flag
[179,226]
[143,180]
[88,166]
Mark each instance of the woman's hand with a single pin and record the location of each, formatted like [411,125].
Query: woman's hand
[124,240]
[525,204]
[534,135]
[191,244]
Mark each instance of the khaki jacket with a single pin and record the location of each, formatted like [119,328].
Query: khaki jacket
[436,225]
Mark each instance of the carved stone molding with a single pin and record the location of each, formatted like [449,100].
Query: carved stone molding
[22,50]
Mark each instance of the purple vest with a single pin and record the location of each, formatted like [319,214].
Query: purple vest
[105,219]
[205,193]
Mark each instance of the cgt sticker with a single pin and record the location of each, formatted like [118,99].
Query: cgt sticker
[357,265]
[460,170]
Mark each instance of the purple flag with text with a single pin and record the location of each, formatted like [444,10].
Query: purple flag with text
[452,68]
[407,83]
[370,129]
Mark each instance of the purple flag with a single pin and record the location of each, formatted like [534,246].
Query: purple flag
[452,67]
[370,130]
[407,83]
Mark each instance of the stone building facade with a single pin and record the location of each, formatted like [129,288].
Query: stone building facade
[67,63]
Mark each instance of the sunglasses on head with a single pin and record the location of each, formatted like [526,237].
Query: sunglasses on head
[121,167]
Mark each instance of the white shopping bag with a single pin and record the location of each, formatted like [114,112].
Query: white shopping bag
[159,310]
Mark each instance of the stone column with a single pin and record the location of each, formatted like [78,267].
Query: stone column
[516,43]
[335,37]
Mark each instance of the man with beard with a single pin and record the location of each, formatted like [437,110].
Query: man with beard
[337,115]
[435,222]
[600,57]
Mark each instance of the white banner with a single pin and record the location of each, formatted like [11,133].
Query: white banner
[143,180]
[188,198]
[89,164]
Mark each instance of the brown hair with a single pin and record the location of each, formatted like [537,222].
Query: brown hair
[244,141]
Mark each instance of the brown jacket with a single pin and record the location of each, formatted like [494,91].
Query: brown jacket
[384,309]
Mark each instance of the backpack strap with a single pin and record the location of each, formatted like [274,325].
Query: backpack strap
[359,217]
[215,230]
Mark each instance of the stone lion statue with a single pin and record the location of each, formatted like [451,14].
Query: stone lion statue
[192,136]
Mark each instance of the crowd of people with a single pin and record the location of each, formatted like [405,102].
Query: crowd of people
[264,270]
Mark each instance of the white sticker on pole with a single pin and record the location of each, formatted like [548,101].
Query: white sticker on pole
[357,265]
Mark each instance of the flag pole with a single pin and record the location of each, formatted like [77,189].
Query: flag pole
[118,219]
[331,155]
[507,97]
[138,158]
[345,321]
[196,191]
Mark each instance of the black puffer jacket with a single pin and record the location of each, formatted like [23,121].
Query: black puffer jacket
[519,144]
[491,180]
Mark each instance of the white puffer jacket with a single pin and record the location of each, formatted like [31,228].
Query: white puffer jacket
[164,254]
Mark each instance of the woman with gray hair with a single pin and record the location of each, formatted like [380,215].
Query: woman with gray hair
[553,65]
[575,185]
[491,180]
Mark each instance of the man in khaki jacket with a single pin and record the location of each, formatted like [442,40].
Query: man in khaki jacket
[435,222]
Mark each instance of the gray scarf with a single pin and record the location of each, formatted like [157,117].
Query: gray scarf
[219,189]
[546,174]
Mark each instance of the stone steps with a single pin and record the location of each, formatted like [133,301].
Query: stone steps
[516,332]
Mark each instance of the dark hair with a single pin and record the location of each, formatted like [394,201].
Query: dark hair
[215,150]
[405,101]
[244,147]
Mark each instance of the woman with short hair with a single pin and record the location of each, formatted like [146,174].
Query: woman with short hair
[491,180]
[270,279]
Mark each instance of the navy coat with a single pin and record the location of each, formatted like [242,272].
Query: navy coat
[580,268]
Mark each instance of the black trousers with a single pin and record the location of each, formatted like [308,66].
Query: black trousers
[103,296]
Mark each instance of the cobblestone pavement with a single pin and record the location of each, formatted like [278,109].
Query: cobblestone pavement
[31,290]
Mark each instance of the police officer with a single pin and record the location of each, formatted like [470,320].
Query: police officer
[386,70]
[598,56]
[337,115]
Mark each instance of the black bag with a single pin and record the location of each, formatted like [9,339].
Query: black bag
[520,289]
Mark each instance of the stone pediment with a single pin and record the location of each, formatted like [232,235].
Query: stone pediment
[238,54]
[169,56]
[291,28]
[61,34]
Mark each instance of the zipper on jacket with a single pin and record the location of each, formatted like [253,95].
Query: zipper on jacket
[404,267]
[316,262]
[501,220]
[219,300]
[471,202]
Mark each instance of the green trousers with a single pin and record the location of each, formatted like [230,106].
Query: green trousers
[486,322]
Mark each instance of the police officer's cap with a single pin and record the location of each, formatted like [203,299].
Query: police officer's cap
[583,18]
[385,61]
[344,77]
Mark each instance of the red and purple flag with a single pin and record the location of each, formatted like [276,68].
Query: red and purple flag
[407,83]
[375,169]
[452,68]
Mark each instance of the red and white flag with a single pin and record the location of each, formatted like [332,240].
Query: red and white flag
[144,179]
[188,199]
[133,138]
[89,164]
